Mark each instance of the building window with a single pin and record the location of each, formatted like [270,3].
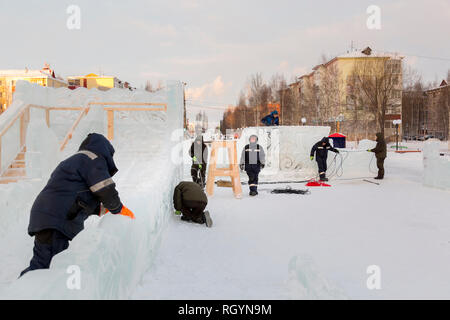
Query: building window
[396,94]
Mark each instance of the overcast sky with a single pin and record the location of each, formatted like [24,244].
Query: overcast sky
[214,46]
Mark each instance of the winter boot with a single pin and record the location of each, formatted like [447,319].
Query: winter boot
[207,219]
[253,193]
[185,218]
[378,178]
[325,179]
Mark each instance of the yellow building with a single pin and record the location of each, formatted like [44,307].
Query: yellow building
[8,78]
[333,93]
[93,80]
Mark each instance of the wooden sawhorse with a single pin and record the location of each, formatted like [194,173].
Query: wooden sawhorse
[232,171]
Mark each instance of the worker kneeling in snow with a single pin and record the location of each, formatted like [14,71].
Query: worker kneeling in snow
[80,186]
[253,159]
[190,200]
[320,149]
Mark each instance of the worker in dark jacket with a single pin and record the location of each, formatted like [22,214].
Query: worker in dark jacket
[79,187]
[380,154]
[320,150]
[199,155]
[272,119]
[253,159]
[190,200]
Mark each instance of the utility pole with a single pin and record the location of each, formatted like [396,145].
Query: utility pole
[184,105]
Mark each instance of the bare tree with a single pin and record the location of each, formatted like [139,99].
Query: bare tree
[377,82]
[329,91]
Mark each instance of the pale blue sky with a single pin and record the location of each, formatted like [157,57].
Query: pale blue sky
[215,45]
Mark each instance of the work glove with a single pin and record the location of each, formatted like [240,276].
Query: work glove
[262,166]
[178,213]
[194,158]
[337,151]
[369,150]
[242,166]
[312,158]
[200,166]
[127,212]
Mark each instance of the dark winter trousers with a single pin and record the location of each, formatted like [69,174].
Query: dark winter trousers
[47,244]
[193,210]
[322,163]
[380,165]
[196,177]
[253,173]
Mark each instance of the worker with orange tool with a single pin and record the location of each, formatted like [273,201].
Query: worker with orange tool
[79,187]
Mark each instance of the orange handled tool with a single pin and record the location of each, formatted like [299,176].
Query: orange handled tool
[127,212]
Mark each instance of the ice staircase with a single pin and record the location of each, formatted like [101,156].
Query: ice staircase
[16,170]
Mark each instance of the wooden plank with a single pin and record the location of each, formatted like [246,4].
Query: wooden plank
[128,103]
[110,125]
[133,109]
[211,171]
[13,121]
[55,108]
[47,117]
[23,132]
[72,129]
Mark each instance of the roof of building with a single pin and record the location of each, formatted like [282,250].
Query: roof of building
[368,52]
[24,73]
[90,75]
[443,85]
[356,53]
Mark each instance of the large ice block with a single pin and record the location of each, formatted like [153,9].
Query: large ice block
[436,168]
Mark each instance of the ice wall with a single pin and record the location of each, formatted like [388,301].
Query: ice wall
[113,252]
[287,147]
[42,154]
[288,154]
[436,168]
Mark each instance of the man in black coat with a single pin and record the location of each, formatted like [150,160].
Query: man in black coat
[380,151]
[320,149]
[80,186]
[253,159]
[199,155]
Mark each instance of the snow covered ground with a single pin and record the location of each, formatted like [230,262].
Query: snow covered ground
[315,246]
[312,246]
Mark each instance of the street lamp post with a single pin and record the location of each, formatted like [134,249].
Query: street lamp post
[396,123]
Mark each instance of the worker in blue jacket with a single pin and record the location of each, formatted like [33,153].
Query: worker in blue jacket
[272,119]
[79,187]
